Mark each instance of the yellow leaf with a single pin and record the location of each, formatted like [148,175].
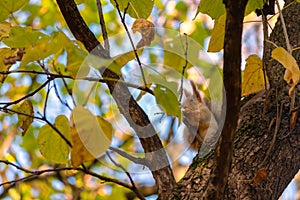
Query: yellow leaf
[217,37]
[10,6]
[91,136]
[5,29]
[292,72]
[79,153]
[24,120]
[253,76]
[52,146]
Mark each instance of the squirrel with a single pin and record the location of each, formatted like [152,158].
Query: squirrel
[200,122]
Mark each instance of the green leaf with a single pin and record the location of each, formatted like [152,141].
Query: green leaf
[175,61]
[23,37]
[167,100]
[200,33]
[43,48]
[91,136]
[137,8]
[75,57]
[214,8]
[51,145]
[179,50]
[10,6]
[24,121]
[166,95]
[252,5]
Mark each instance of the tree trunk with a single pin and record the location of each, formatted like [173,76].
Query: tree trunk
[263,142]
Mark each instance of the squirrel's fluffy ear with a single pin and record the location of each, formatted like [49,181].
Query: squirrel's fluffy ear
[187,93]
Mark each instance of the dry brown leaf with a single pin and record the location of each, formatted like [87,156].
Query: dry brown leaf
[260,175]
[24,119]
[146,28]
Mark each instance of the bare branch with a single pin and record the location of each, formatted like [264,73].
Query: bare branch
[131,40]
[92,79]
[140,161]
[26,96]
[35,173]
[103,26]
[136,191]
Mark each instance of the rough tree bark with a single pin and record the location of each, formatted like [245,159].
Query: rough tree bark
[263,137]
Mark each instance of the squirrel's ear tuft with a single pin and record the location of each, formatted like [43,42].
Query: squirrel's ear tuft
[187,93]
[196,91]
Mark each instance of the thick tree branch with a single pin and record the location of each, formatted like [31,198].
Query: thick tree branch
[257,132]
[136,117]
[232,82]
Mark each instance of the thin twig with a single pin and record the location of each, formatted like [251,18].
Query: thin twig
[58,132]
[35,173]
[277,125]
[295,109]
[135,190]
[103,26]
[59,98]
[26,96]
[131,41]
[184,66]
[287,41]
[288,45]
[46,100]
[7,110]
[265,32]
[55,76]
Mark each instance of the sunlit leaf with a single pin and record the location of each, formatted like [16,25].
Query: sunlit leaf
[253,76]
[25,120]
[180,52]
[10,6]
[292,72]
[5,29]
[52,146]
[137,8]
[167,100]
[200,33]
[252,5]
[217,37]
[43,48]
[23,37]
[175,61]
[214,8]
[75,57]
[91,136]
